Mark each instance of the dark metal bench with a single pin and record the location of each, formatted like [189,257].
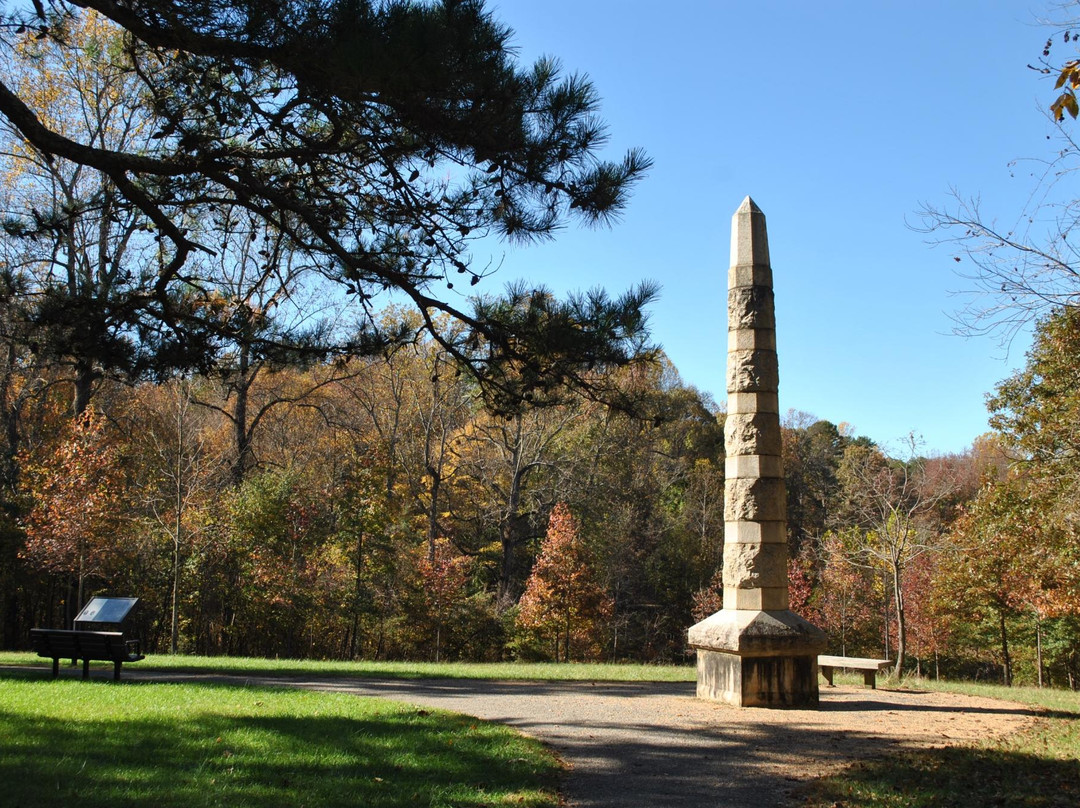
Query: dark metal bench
[104,646]
[869,667]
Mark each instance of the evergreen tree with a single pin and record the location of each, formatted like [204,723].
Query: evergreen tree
[378,141]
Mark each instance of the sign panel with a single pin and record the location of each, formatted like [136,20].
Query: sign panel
[106,610]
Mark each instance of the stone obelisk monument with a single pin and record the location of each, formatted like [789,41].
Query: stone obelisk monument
[755,652]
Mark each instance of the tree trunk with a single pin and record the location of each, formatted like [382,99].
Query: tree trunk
[9,469]
[885,610]
[843,628]
[433,512]
[240,436]
[508,535]
[1038,648]
[178,527]
[357,592]
[508,529]
[85,376]
[566,654]
[174,629]
[1006,660]
[505,598]
[82,577]
[70,609]
[901,626]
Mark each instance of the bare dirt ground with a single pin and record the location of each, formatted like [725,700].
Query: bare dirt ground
[655,744]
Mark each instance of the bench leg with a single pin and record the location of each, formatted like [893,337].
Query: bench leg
[116,671]
[870,679]
[55,667]
[86,669]
[827,672]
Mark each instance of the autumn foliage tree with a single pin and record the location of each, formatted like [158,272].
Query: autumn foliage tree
[177,467]
[895,504]
[1026,522]
[930,616]
[563,603]
[443,575]
[648,495]
[710,598]
[991,574]
[75,522]
[847,598]
[267,565]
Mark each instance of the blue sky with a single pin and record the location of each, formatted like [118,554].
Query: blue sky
[840,119]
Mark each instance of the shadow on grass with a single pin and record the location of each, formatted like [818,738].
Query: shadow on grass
[399,688]
[869,703]
[956,777]
[396,756]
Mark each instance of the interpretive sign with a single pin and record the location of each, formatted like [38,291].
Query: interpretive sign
[98,611]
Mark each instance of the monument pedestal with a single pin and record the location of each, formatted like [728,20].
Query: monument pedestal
[757,658]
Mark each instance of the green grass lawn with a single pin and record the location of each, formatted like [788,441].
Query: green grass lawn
[164,745]
[68,742]
[398,670]
[94,743]
[1038,768]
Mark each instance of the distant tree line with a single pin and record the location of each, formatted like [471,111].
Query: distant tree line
[385,512]
[382,513]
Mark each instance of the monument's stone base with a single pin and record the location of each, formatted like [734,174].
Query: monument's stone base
[779,681]
[757,658]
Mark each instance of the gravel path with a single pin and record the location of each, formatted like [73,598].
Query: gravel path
[654,744]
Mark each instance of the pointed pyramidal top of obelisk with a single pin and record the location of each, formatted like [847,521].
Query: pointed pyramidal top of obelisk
[750,241]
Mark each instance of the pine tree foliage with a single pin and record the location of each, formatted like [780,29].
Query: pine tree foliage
[376,140]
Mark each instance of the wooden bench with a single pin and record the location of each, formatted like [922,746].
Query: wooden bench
[105,646]
[869,667]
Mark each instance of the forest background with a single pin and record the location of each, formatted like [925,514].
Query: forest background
[308,474]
